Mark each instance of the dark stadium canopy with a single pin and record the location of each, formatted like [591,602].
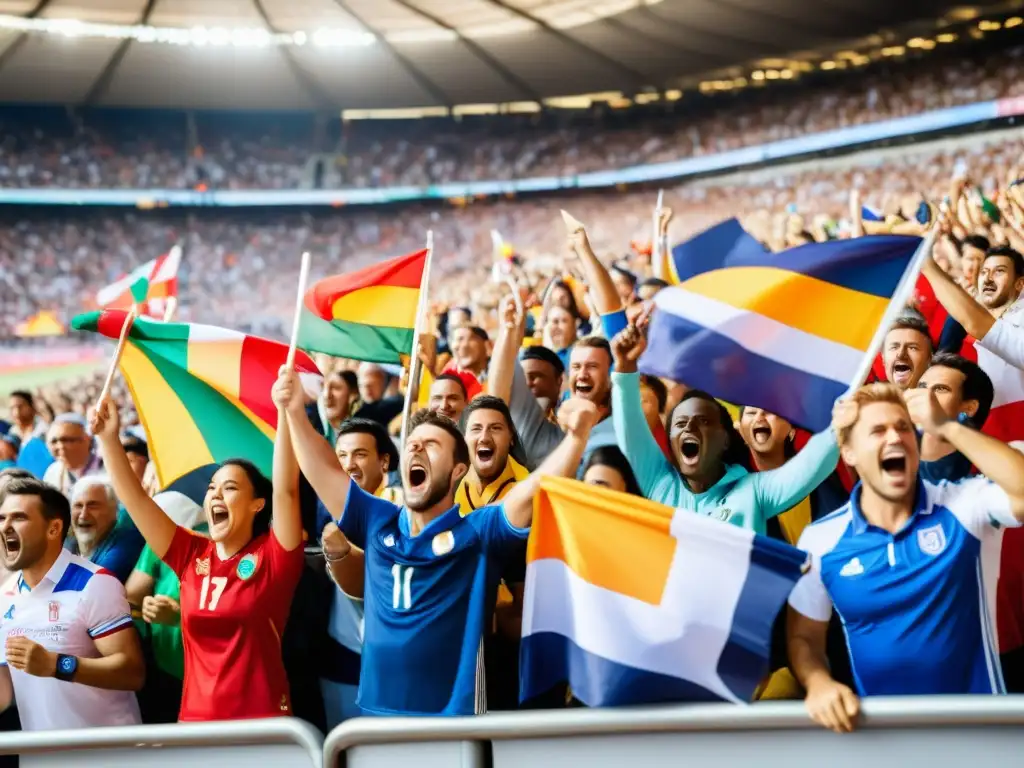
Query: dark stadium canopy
[404,53]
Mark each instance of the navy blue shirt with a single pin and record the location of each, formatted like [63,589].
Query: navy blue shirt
[426,600]
[120,549]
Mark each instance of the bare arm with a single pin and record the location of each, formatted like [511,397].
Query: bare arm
[346,563]
[315,457]
[120,666]
[829,703]
[503,356]
[1000,463]
[287,521]
[155,526]
[606,298]
[578,416]
[975,319]
[139,585]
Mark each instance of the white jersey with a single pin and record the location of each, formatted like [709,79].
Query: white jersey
[76,603]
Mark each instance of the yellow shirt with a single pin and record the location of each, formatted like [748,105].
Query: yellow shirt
[470,496]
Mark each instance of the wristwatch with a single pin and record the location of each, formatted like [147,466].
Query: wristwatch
[67,666]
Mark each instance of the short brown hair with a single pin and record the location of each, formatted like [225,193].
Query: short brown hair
[52,503]
[435,419]
[879,392]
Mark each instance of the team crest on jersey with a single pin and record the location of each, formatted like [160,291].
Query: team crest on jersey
[931,540]
[443,543]
[247,567]
[202,566]
[54,611]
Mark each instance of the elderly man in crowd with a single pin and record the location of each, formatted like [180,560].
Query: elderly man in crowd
[100,532]
[71,444]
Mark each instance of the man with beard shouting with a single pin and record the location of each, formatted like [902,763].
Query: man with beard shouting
[431,574]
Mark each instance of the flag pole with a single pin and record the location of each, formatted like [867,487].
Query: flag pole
[171,308]
[415,364]
[129,319]
[904,290]
[303,279]
[656,254]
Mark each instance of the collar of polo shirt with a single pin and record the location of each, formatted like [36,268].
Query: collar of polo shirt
[922,506]
[53,575]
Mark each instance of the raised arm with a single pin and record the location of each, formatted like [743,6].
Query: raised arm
[1000,463]
[578,417]
[503,357]
[780,489]
[315,456]
[975,319]
[287,519]
[606,298]
[155,526]
[632,434]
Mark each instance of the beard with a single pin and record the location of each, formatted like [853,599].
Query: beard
[438,490]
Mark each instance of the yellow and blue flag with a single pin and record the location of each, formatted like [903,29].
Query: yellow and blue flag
[726,240]
[787,332]
[694,623]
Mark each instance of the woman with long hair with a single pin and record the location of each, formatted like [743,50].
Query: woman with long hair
[708,471]
[236,585]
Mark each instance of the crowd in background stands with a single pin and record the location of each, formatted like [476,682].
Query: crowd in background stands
[239,267]
[44,148]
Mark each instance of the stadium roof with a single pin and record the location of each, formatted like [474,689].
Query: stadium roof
[375,54]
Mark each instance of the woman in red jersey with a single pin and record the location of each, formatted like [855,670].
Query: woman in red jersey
[236,586]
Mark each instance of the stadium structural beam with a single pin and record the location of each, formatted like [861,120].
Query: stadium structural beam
[690,30]
[411,69]
[639,80]
[19,41]
[316,92]
[102,82]
[799,25]
[524,88]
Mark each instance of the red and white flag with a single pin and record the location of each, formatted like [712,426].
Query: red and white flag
[162,274]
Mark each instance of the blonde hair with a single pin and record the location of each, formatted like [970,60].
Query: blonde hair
[879,392]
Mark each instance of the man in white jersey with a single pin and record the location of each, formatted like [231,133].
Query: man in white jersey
[68,649]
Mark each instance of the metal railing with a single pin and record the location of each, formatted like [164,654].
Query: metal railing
[92,743]
[936,715]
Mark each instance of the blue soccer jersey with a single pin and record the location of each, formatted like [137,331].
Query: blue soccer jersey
[426,600]
[917,606]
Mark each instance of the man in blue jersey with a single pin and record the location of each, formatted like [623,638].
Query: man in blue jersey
[910,566]
[431,574]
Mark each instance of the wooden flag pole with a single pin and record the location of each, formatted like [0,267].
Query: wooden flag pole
[303,279]
[128,320]
[415,364]
[171,308]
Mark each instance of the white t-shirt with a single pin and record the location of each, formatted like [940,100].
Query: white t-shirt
[75,603]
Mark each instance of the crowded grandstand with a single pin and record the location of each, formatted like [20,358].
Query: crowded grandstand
[701,397]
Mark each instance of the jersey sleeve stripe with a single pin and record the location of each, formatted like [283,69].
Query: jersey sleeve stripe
[110,627]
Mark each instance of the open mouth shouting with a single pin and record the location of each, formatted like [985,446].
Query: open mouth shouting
[218,514]
[583,388]
[902,371]
[894,466]
[689,447]
[761,433]
[12,545]
[484,457]
[419,476]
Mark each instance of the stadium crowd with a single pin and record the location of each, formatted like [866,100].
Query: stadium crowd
[112,149]
[243,596]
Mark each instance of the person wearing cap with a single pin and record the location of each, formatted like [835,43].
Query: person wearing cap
[10,447]
[154,592]
[71,444]
[545,373]
[100,531]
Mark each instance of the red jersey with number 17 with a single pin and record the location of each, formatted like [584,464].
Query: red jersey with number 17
[233,613]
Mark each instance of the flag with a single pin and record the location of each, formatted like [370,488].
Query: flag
[633,602]
[786,332]
[727,240]
[365,315]
[202,392]
[161,282]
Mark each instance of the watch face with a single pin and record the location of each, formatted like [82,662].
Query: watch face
[67,664]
